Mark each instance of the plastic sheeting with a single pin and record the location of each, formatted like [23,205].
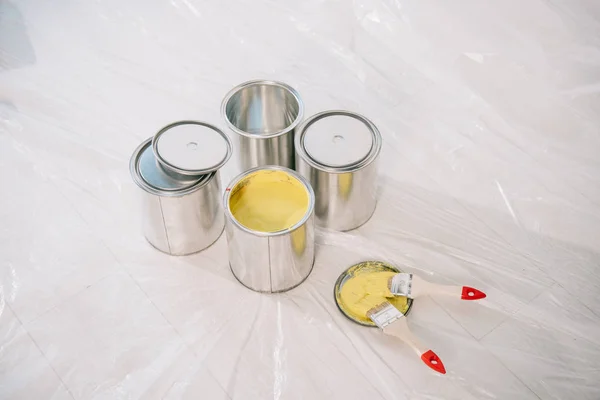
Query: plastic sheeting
[489,177]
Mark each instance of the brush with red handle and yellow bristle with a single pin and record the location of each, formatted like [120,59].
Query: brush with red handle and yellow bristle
[392,322]
[409,285]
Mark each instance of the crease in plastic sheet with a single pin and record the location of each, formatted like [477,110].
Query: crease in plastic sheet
[488,177]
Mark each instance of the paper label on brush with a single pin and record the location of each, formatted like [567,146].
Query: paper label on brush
[401,284]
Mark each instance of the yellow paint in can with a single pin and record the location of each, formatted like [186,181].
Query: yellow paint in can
[270,201]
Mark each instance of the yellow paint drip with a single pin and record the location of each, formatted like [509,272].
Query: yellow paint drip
[367,287]
[269,201]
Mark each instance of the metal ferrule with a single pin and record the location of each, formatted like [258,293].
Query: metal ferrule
[385,316]
[401,284]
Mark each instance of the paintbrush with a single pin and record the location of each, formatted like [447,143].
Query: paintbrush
[412,286]
[392,322]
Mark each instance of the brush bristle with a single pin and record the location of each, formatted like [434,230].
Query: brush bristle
[384,314]
[379,308]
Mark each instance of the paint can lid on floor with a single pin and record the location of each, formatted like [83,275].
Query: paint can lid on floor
[191,148]
[351,300]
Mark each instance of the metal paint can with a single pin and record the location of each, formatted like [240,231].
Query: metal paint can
[177,171]
[270,250]
[264,116]
[337,152]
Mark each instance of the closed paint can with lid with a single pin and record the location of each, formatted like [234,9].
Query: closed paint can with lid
[337,152]
[269,221]
[178,173]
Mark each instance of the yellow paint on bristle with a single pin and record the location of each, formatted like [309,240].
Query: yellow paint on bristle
[366,289]
[269,201]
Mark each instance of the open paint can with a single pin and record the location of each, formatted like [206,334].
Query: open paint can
[177,171]
[270,228]
[264,116]
[337,152]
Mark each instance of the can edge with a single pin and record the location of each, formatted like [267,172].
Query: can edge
[288,129]
[145,186]
[302,179]
[186,172]
[190,253]
[312,266]
[302,154]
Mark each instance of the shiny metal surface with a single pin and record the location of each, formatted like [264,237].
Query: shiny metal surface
[263,115]
[180,220]
[345,196]
[191,148]
[338,141]
[158,178]
[270,262]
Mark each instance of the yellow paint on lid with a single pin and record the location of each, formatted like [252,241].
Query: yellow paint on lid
[364,286]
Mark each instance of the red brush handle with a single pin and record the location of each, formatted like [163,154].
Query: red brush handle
[400,329]
[433,361]
[469,293]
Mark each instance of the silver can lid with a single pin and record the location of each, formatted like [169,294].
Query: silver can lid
[338,140]
[191,148]
[153,175]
